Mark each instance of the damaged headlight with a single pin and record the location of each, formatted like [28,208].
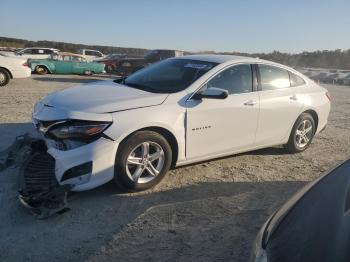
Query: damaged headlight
[78,130]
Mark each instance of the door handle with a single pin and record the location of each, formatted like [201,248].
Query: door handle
[250,103]
[293,97]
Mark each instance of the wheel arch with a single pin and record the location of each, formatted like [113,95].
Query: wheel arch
[8,71]
[167,134]
[314,115]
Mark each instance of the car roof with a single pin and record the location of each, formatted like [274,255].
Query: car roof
[70,54]
[219,58]
[39,48]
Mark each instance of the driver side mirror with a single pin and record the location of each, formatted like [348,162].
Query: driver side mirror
[211,93]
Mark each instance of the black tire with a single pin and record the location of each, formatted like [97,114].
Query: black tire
[121,176]
[4,77]
[41,70]
[109,69]
[293,145]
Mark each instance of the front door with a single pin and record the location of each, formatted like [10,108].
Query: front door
[218,126]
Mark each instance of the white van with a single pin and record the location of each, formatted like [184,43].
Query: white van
[90,55]
[35,53]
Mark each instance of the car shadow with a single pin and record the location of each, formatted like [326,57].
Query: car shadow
[235,212]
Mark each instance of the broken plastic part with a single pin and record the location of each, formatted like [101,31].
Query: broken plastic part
[39,190]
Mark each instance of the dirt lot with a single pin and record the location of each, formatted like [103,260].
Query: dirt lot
[205,212]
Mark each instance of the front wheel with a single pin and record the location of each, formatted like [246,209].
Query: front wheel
[302,134]
[41,70]
[4,77]
[142,161]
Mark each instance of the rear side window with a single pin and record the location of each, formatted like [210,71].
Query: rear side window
[47,52]
[296,80]
[66,58]
[89,53]
[273,77]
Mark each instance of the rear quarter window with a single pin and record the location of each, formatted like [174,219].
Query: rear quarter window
[296,80]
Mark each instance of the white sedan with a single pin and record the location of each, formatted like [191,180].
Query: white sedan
[11,67]
[178,111]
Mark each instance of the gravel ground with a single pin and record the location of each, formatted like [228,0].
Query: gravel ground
[206,212]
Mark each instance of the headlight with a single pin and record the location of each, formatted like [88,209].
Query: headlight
[78,130]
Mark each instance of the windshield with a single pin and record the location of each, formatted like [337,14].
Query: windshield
[169,76]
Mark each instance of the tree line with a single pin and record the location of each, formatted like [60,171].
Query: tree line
[339,59]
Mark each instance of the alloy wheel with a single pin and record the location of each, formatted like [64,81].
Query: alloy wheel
[303,133]
[2,78]
[145,162]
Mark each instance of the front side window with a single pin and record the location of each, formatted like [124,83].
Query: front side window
[273,77]
[169,76]
[236,79]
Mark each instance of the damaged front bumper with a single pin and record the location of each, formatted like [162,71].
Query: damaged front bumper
[47,174]
[39,190]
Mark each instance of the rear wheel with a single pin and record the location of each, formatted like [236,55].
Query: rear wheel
[142,161]
[302,134]
[87,72]
[4,77]
[41,70]
[109,69]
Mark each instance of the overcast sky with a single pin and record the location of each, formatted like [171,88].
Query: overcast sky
[193,25]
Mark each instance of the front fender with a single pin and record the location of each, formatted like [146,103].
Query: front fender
[170,118]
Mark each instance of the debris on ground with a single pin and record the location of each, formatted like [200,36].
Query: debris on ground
[17,152]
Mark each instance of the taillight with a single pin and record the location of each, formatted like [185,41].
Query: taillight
[25,64]
[328,95]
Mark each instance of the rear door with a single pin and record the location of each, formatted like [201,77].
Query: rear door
[63,65]
[279,105]
[80,65]
[216,126]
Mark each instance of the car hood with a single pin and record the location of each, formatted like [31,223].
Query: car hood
[102,97]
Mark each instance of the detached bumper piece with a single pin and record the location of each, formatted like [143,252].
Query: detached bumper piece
[39,190]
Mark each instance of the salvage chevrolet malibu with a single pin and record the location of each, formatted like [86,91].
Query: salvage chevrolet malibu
[176,112]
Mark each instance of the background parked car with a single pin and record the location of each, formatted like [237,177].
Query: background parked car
[344,80]
[153,56]
[90,55]
[66,63]
[35,53]
[111,61]
[12,67]
[128,66]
